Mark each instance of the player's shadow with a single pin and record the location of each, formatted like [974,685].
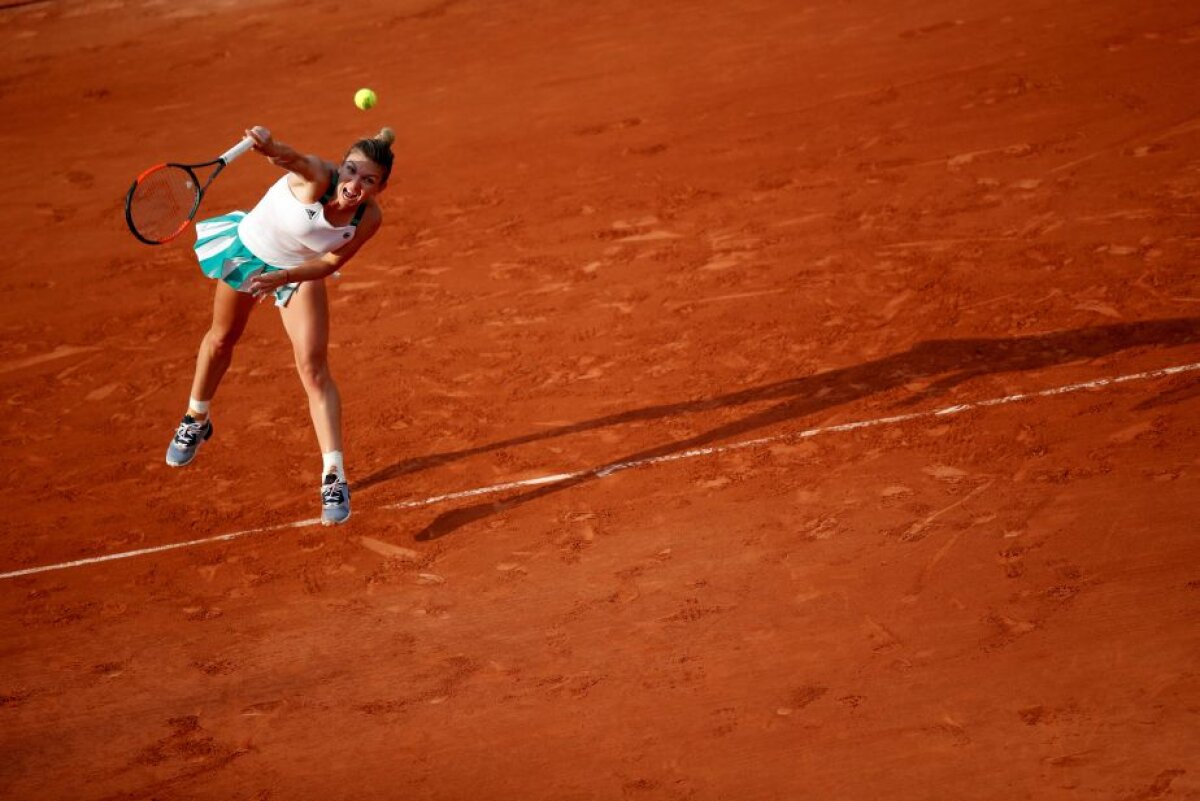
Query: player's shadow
[948,361]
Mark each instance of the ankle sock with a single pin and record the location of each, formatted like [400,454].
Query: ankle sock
[197,407]
[333,464]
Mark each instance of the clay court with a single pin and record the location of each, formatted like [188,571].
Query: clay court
[756,400]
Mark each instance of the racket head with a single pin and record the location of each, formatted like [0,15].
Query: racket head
[161,202]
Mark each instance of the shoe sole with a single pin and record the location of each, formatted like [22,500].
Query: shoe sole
[330,523]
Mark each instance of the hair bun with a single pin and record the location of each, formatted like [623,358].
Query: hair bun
[386,136]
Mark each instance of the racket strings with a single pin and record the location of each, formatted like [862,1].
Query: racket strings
[162,202]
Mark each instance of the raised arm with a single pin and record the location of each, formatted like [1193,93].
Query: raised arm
[309,168]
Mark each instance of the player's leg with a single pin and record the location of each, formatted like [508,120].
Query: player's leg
[231,312]
[306,320]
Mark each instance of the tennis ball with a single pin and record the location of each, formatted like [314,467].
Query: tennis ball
[364,99]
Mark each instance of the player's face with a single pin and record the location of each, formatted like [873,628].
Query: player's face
[359,179]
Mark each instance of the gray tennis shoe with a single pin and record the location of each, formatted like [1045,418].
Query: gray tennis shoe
[335,500]
[187,440]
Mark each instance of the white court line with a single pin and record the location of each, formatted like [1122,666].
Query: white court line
[616,467]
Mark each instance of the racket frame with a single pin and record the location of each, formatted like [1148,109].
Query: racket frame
[221,162]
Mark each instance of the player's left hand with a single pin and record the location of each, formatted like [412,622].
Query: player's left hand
[265,283]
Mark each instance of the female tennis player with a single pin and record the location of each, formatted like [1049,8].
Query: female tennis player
[307,226]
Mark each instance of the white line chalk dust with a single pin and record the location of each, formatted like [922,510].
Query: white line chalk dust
[616,467]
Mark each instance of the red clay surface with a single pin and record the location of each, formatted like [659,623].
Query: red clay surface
[618,230]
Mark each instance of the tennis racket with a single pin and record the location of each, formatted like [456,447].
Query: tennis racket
[165,198]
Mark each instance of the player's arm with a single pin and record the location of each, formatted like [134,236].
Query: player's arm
[311,169]
[324,266]
[330,263]
[367,227]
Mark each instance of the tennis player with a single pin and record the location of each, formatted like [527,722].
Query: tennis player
[307,226]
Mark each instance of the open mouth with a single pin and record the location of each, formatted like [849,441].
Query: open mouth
[352,197]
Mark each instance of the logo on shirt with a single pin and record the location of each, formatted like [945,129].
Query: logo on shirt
[311,213]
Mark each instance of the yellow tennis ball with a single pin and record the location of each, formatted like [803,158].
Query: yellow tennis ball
[365,98]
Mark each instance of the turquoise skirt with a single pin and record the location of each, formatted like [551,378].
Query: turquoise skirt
[223,257]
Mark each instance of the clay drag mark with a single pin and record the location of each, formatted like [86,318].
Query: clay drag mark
[617,230]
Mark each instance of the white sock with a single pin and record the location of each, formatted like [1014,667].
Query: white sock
[198,406]
[333,464]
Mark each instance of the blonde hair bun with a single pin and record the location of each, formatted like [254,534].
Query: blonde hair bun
[386,136]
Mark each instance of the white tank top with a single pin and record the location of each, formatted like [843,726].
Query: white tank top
[284,232]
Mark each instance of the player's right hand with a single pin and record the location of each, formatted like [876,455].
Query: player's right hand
[262,140]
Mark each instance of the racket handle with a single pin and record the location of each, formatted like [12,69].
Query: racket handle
[237,150]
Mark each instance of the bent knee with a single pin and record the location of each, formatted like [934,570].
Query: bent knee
[221,342]
[314,373]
